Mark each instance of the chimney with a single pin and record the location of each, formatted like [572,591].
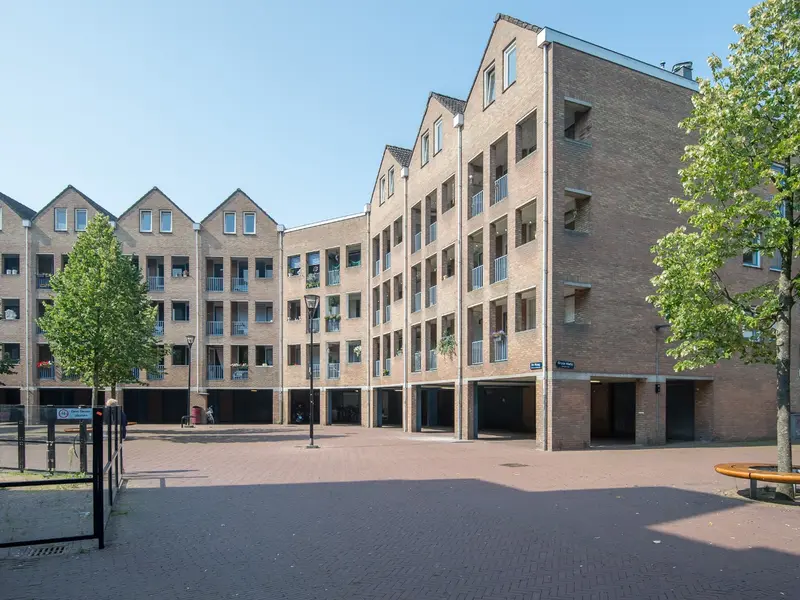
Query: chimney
[684,69]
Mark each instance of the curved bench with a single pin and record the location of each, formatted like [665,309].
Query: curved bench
[756,472]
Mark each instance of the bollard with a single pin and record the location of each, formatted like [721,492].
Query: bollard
[97,476]
[21,439]
[51,438]
[82,441]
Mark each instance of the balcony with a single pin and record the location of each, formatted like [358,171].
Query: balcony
[432,296]
[377,319]
[476,353]
[416,367]
[417,242]
[43,281]
[213,328]
[313,325]
[500,269]
[477,277]
[240,373]
[432,233]
[431,360]
[214,284]
[387,261]
[135,373]
[332,325]
[387,366]
[158,330]
[312,281]
[313,370]
[156,375]
[376,371]
[215,373]
[334,277]
[333,370]
[417,302]
[476,204]
[47,371]
[500,349]
[239,328]
[387,313]
[500,189]
[377,269]
[155,283]
[238,284]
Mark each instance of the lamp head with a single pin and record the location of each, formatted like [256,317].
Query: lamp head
[312,301]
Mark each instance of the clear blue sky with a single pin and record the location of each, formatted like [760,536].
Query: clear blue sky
[291,101]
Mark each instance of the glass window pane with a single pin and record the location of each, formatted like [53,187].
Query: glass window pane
[61,219]
[145,221]
[249,222]
[511,66]
[230,222]
[166,221]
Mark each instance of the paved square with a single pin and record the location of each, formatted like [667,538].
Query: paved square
[248,513]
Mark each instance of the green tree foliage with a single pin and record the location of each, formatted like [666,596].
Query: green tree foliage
[741,189]
[101,323]
[6,365]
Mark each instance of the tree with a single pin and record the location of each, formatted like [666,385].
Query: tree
[6,365]
[741,185]
[101,324]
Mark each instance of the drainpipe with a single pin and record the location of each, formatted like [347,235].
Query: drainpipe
[27,225]
[405,279]
[372,394]
[281,229]
[458,123]
[200,363]
[545,230]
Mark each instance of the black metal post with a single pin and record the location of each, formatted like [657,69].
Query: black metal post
[97,476]
[117,419]
[311,374]
[21,438]
[82,442]
[110,415]
[51,438]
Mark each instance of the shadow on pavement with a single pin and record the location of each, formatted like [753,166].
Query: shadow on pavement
[222,435]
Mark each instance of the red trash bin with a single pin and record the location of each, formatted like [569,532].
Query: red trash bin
[197,414]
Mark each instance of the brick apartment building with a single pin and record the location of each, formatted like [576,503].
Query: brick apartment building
[518,228]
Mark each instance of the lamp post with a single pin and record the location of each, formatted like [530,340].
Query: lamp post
[312,303]
[189,342]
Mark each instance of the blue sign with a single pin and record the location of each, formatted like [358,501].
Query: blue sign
[535,366]
[565,364]
[74,413]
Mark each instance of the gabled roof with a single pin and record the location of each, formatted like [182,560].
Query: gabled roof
[517,22]
[23,211]
[401,155]
[155,189]
[224,202]
[91,203]
[454,105]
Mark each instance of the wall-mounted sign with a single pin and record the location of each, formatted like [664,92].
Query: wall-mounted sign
[74,413]
[535,366]
[565,364]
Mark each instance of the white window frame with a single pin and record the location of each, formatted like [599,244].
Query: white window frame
[490,70]
[225,222]
[382,190]
[437,136]
[1,218]
[86,218]
[161,214]
[244,223]
[55,219]
[756,264]
[141,214]
[512,47]
[390,188]
[425,141]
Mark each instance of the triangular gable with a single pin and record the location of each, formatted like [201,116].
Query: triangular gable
[446,102]
[91,203]
[401,155]
[231,197]
[154,189]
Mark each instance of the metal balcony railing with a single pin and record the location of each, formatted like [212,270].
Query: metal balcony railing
[158,330]
[417,365]
[239,328]
[214,284]
[334,277]
[376,370]
[476,204]
[47,372]
[387,313]
[500,268]
[155,283]
[313,325]
[314,368]
[387,365]
[43,281]
[333,370]
[500,349]
[432,232]
[500,189]
[417,242]
[431,360]
[333,325]
[476,353]
[214,328]
[215,373]
[238,284]
[477,277]
[432,296]
[240,373]
[156,375]
[417,302]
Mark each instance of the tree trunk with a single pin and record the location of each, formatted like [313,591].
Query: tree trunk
[94,391]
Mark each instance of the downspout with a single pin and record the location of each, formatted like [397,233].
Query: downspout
[458,123]
[281,339]
[545,228]
[27,224]
[405,279]
[197,304]
[371,393]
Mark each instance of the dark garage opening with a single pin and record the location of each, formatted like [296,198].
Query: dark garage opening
[437,409]
[9,395]
[299,406]
[70,397]
[390,404]
[680,411]
[241,406]
[345,407]
[154,406]
[613,411]
[507,409]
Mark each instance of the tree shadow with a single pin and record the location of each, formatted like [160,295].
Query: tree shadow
[222,435]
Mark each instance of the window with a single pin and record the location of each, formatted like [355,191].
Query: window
[293,265]
[569,308]
[165,222]
[391,183]
[61,219]
[510,65]
[398,287]
[382,191]
[354,352]
[526,310]
[751,257]
[10,309]
[293,309]
[526,223]
[263,268]
[180,356]
[437,136]
[180,310]
[425,148]
[146,221]
[263,312]
[526,136]
[777,260]
[180,266]
[353,256]
[488,86]
[354,305]
[294,355]
[398,231]
[81,217]
[576,120]
[10,351]
[249,223]
[1,218]
[264,356]
[229,222]
[11,264]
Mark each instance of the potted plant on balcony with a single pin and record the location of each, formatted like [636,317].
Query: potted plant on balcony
[357,351]
[386,372]
[447,346]
[499,335]
[44,363]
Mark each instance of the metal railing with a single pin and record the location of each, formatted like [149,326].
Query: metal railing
[313,325]
[314,368]
[47,372]
[477,277]
[376,369]
[238,284]
[334,277]
[387,366]
[376,320]
[377,269]
[333,370]
[432,296]
[158,330]
[476,353]
[215,373]
[333,325]
[387,261]
[239,328]
[431,360]
[417,365]
[500,189]
[417,242]
[417,305]
[155,283]
[214,284]
[432,232]
[476,204]
[156,375]
[240,373]
[387,313]
[214,327]
[43,281]
[312,280]
[135,373]
[500,268]
[500,349]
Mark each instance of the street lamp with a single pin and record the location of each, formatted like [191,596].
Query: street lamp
[312,303]
[189,342]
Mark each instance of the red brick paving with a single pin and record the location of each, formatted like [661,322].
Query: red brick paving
[248,513]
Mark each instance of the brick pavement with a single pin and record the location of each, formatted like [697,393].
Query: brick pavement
[248,513]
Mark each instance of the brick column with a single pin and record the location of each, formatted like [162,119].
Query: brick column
[651,413]
[366,399]
[413,394]
[570,410]
[324,402]
[704,411]
[277,399]
[405,398]
[468,393]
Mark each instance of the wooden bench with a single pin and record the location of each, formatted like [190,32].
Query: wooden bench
[756,472]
